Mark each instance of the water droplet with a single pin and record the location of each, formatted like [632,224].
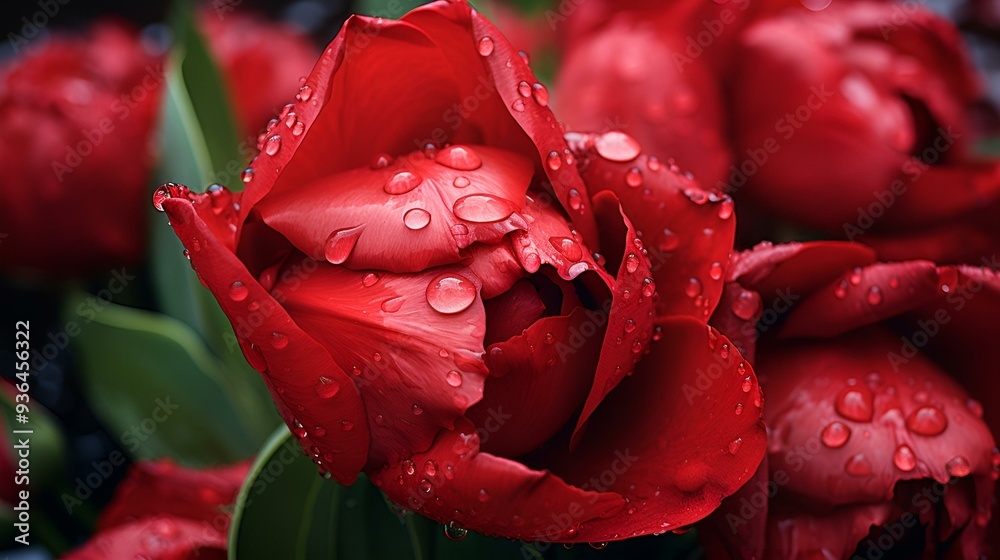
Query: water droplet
[326,388]
[835,435]
[369,279]
[485,46]
[598,545]
[416,218]
[247,175]
[455,531]
[540,94]
[855,403]
[484,496]
[975,407]
[392,305]
[567,247]
[629,325]
[482,208]
[858,465]
[402,183]
[461,182]
[279,340]
[904,459]
[575,202]
[693,288]
[617,146]
[380,161]
[746,305]
[734,446]
[715,271]
[298,429]
[726,209]
[874,295]
[517,105]
[162,193]
[927,420]
[631,263]
[959,466]
[450,293]
[299,128]
[855,277]
[648,288]
[554,161]
[340,243]
[747,384]
[454,378]
[636,347]
[272,145]
[238,292]
[459,157]
[305,92]
[668,240]
[408,467]
[633,177]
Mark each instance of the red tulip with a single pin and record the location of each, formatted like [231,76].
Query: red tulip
[78,116]
[867,134]
[163,511]
[441,291]
[874,444]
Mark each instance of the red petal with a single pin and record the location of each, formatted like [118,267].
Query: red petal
[798,267]
[864,296]
[162,537]
[154,488]
[738,529]
[688,231]
[401,351]
[292,363]
[510,313]
[538,380]
[352,218]
[454,482]
[880,407]
[669,438]
[805,536]
[630,311]
[551,240]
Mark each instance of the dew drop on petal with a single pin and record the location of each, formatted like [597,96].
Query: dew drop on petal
[380,161]
[575,201]
[553,161]
[567,247]
[340,243]
[279,340]
[455,531]
[454,378]
[524,88]
[272,145]
[858,465]
[326,388]
[739,408]
[693,288]
[840,292]
[485,46]
[417,411]
[874,296]
[747,384]
[631,263]
[238,292]
[450,293]
[835,435]
[247,175]
[633,177]
[617,146]
[668,240]
[734,446]
[904,459]
[928,420]
[369,279]
[959,466]
[855,403]
[726,209]
[715,271]
[305,92]
[540,94]
[416,218]
[517,105]
[402,183]
[392,305]
[462,158]
[482,208]
[461,182]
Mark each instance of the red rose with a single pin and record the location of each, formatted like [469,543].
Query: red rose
[261,62]
[78,115]
[874,445]
[162,511]
[867,133]
[440,291]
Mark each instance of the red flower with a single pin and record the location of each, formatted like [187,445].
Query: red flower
[261,61]
[165,512]
[78,114]
[867,134]
[874,445]
[414,269]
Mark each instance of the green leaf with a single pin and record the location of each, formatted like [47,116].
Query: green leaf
[150,379]
[286,510]
[48,446]
[390,9]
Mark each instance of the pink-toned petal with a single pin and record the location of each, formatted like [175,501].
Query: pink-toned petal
[161,537]
[292,364]
[401,337]
[454,482]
